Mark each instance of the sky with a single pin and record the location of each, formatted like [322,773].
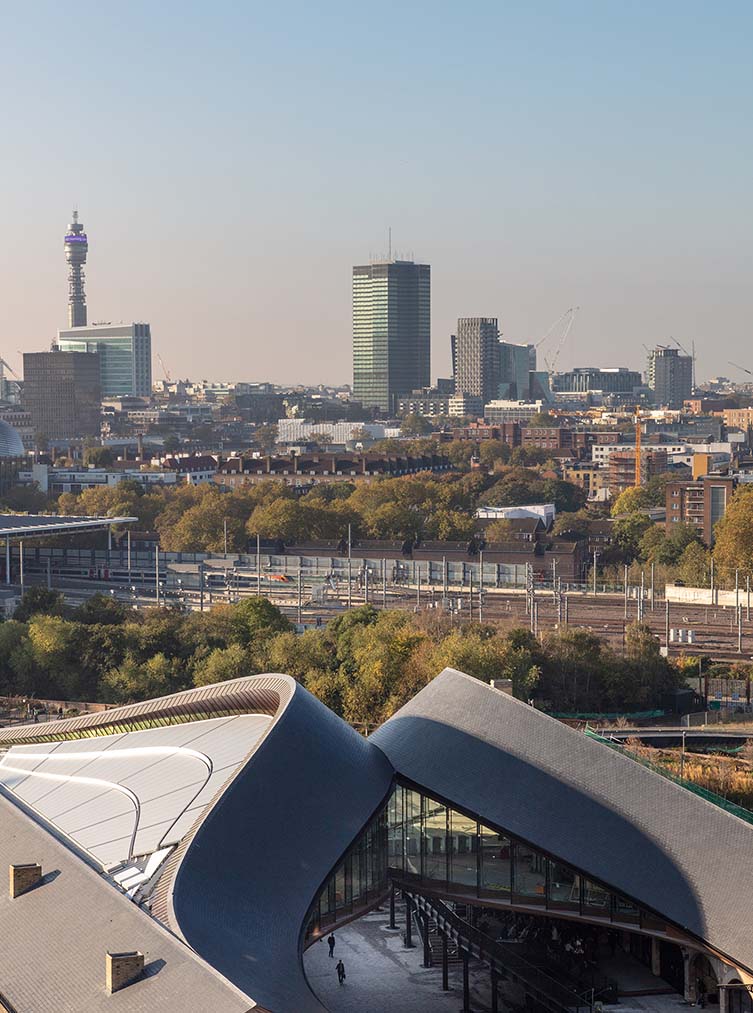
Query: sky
[232,161]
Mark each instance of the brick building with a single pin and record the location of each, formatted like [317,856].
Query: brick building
[701,503]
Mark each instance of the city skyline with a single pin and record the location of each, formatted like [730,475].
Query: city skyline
[592,188]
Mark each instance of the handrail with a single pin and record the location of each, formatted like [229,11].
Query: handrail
[550,992]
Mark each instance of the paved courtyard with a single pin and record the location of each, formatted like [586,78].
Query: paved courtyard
[382,976]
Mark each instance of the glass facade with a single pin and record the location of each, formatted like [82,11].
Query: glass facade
[450,851]
[125,355]
[359,880]
[419,839]
[391,331]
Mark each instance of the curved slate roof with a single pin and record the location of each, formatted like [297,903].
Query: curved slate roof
[244,883]
[636,831]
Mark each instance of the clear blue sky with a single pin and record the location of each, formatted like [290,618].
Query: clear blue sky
[231,161]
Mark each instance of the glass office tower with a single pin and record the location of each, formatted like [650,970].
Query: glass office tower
[125,355]
[391,331]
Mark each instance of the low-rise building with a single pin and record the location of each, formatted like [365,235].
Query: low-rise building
[590,477]
[304,470]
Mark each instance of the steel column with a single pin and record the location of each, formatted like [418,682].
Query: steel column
[466,986]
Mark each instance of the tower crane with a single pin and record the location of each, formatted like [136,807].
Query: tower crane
[573,312]
[741,368]
[11,370]
[164,368]
[569,318]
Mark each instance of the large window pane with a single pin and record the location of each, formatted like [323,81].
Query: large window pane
[625,910]
[495,863]
[435,841]
[529,875]
[396,843]
[564,887]
[412,801]
[463,850]
[340,889]
[595,899]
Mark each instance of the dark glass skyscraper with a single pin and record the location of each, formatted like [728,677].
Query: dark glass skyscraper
[391,331]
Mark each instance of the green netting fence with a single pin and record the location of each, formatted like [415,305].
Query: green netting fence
[636,716]
[709,796]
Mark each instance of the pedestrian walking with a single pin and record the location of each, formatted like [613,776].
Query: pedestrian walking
[340,967]
[331,944]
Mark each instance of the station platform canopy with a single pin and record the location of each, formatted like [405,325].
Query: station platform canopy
[32,525]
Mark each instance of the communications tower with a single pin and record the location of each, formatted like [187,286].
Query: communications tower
[76,248]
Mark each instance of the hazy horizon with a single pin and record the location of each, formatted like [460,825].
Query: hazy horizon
[231,164]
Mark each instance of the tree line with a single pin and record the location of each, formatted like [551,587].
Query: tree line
[364,664]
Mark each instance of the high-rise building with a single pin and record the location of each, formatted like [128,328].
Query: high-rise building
[76,248]
[475,356]
[61,393]
[391,331]
[670,376]
[516,362]
[125,355]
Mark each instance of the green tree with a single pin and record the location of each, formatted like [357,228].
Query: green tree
[415,425]
[628,532]
[630,501]
[25,499]
[258,618]
[283,519]
[573,526]
[98,457]
[103,609]
[37,600]
[733,548]
[265,437]
[694,565]
[134,680]
[222,664]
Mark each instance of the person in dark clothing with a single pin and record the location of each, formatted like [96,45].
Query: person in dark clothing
[331,944]
[340,968]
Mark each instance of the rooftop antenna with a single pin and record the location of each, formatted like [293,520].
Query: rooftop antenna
[389,243]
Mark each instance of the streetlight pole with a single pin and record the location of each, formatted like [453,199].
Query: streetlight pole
[258,564]
[156,572]
[224,527]
[596,556]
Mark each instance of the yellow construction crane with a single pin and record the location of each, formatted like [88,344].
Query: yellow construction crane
[638,481]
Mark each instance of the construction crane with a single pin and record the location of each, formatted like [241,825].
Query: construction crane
[164,368]
[551,366]
[569,316]
[741,368]
[638,476]
[11,370]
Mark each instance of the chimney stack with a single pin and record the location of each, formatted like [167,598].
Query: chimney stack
[23,878]
[122,968]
